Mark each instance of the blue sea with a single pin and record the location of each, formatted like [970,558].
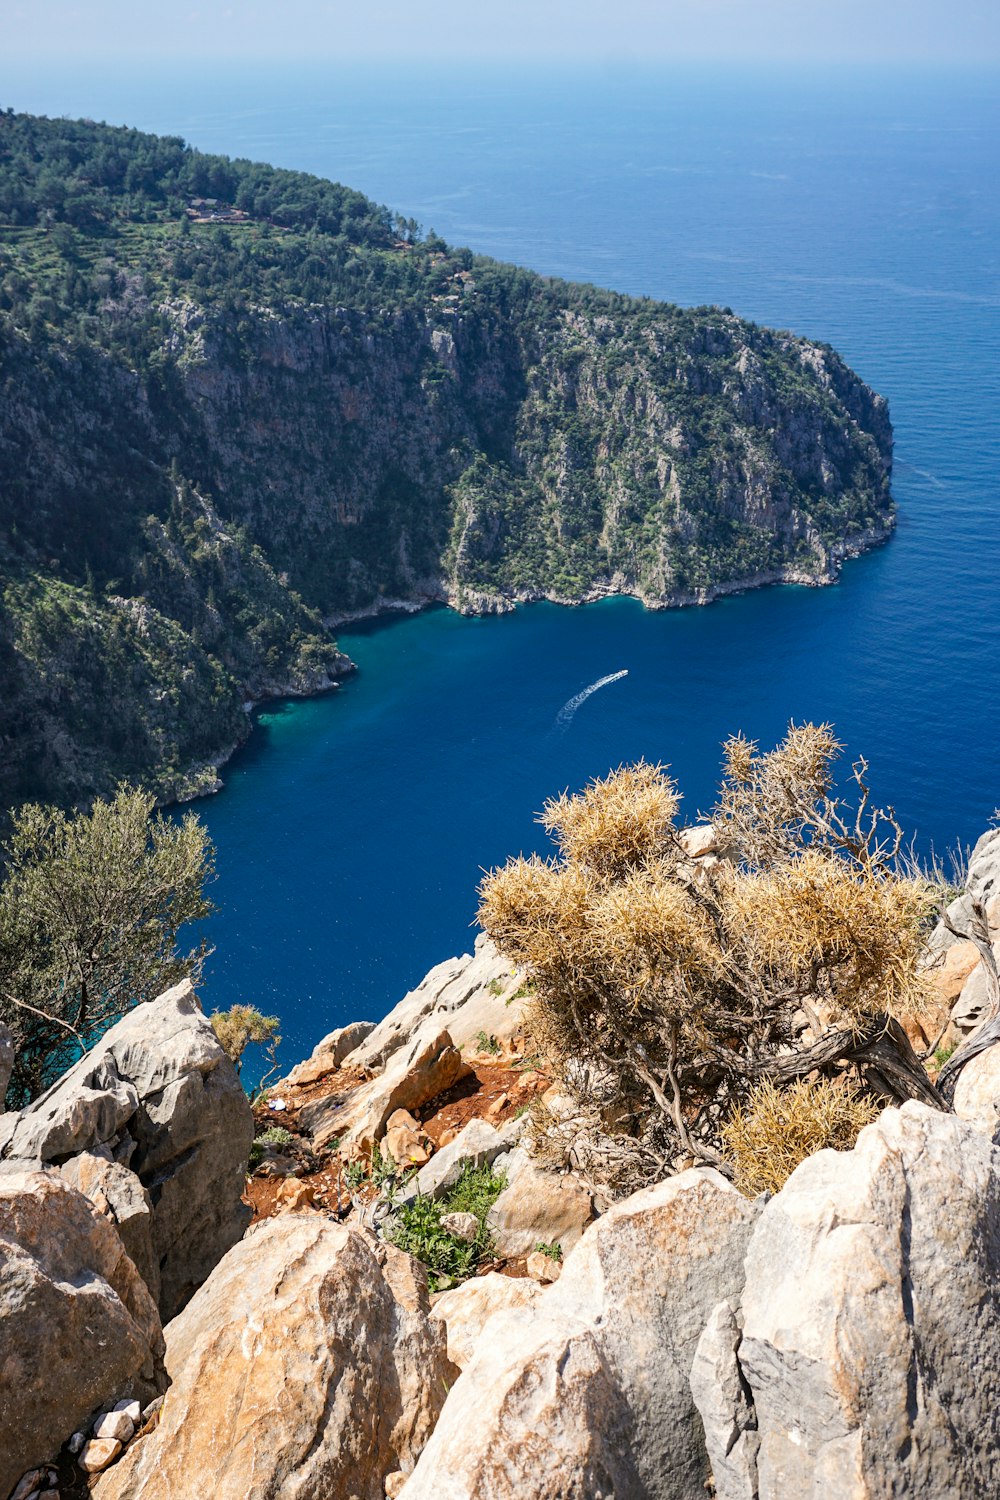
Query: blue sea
[860,208]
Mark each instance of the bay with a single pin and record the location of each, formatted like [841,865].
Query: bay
[860,208]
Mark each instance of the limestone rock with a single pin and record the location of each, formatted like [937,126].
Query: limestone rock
[114,1424]
[972,1004]
[98,1453]
[78,1327]
[477,1144]
[952,970]
[538,1207]
[542,1267]
[977,1093]
[404,1140]
[699,840]
[871,1340]
[466,1310]
[331,1052]
[723,1403]
[983,884]
[462,1226]
[537,1415]
[588,1394]
[116,1192]
[477,992]
[648,1274]
[412,1076]
[305,1367]
[160,1094]
[293,1195]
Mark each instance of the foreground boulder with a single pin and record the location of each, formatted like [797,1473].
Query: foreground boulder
[588,1393]
[160,1096]
[870,1344]
[78,1327]
[305,1368]
[466,1309]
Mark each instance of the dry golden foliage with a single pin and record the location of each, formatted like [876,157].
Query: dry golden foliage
[618,823]
[776,1129]
[667,989]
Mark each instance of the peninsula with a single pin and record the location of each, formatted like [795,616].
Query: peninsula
[241,403]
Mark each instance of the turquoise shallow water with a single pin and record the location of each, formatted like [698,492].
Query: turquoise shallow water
[862,210]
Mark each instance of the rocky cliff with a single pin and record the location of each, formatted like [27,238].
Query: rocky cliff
[223,425]
[840,1338]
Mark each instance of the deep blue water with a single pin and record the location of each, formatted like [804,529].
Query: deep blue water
[858,208]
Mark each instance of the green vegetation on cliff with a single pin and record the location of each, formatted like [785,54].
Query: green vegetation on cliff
[237,401]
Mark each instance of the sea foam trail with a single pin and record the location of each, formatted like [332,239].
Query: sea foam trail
[565,715]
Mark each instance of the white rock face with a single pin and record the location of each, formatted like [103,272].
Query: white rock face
[538,1207]
[467,1309]
[537,1415]
[463,995]
[588,1393]
[331,1053]
[411,1077]
[477,1144]
[160,1094]
[977,1093]
[871,1338]
[78,1327]
[305,1367]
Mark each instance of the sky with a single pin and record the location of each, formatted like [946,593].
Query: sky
[810,31]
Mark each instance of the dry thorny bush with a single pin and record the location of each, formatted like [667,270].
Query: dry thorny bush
[675,993]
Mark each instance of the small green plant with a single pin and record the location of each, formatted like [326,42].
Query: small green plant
[495,988]
[553,1251]
[418,1229]
[487,1043]
[354,1174]
[275,1138]
[941,1056]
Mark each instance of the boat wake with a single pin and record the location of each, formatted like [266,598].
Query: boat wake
[565,715]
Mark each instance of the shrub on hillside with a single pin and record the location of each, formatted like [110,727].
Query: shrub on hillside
[91,909]
[670,989]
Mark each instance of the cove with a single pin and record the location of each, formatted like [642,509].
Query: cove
[851,206]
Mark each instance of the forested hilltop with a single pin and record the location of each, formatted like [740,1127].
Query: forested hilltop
[240,401]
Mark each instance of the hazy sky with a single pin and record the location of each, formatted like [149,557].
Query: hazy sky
[807,30]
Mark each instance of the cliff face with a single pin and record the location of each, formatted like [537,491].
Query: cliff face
[211,439]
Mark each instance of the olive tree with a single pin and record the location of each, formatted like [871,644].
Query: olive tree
[671,990]
[91,908]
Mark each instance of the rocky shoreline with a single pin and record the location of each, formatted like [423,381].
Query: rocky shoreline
[838,1338]
[203,780]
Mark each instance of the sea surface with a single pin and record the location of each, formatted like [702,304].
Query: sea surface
[860,208]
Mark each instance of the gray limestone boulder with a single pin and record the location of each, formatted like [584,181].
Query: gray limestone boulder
[478,1144]
[538,1207]
[117,1194]
[588,1392]
[331,1053]
[412,1076]
[306,1368]
[871,1323]
[477,992]
[160,1096]
[78,1327]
